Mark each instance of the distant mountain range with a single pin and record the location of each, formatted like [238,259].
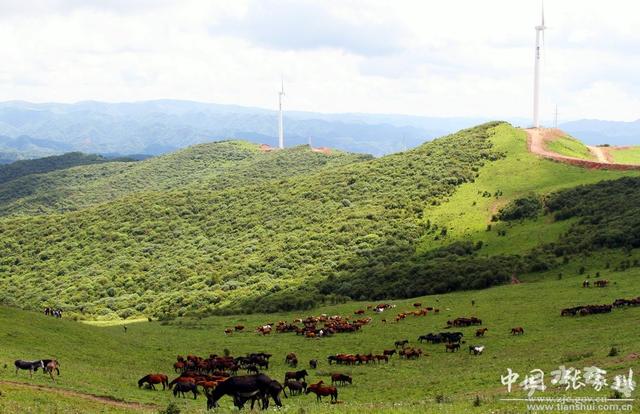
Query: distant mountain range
[595,132]
[29,130]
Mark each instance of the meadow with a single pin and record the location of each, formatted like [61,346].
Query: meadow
[570,147]
[627,155]
[103,360]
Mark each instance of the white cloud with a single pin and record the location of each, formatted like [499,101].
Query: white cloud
[457,58]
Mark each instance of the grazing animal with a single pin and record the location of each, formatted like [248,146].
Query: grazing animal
[476,350]
[585,284]
[239,328]
[296,375]
[51,366]
[31,366]
[228,331]
[401,344]
[320,390]
[152,379]
[313,364]
[481,331]
[183,387]
[242,386]
[296,387]
[341,379]
[451,346]
[517,331]
[389,352]
[252,369]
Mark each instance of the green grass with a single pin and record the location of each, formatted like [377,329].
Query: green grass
[570,147]
[106,361]
[467,213]
[630,155]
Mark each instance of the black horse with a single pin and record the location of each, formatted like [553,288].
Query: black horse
[182,387]
[29,365]
[245,387]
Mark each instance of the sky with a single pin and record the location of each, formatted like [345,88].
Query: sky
[464,58]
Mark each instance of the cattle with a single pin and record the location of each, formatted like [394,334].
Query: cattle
[313,364]
[481,331]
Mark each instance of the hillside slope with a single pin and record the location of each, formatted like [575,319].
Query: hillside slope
[197,250]
[399,226]
[214,165]
[23,168]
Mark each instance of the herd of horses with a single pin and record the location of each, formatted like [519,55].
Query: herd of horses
[48,366]
[217,376]
[584,310]
[56,313]
[596,283]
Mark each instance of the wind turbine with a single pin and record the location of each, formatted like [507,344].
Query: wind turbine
[280,122]
[536,77]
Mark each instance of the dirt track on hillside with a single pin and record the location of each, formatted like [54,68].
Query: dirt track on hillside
[536,139]
[70,393]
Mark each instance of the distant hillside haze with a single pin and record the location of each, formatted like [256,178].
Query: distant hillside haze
[597,132]
[29,130]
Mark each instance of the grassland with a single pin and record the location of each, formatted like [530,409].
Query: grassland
[468,212]
[627,155]
[106,361]
[570,147]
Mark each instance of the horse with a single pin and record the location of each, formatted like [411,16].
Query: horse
[296,375]
[476,350]
[29,365]
[183,387]
[341,379]
[481,332]
[296,387]
[321,391]
[51,365]
[152,379]
[453,346]
[313,364]
[517,331]
[401,343]
[246,386]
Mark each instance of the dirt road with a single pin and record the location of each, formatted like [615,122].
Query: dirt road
[536,138]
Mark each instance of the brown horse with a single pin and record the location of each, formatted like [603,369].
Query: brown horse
[517,330]
[320,390]
[152,379]
[51,367]
[481,331]
[453,347]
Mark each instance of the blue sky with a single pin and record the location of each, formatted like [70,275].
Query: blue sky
[453,58]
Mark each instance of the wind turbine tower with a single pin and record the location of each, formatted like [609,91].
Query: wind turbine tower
[280,121]
[536,77]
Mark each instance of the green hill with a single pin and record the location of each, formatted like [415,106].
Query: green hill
[23,168]
[214,165]
[225,228]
